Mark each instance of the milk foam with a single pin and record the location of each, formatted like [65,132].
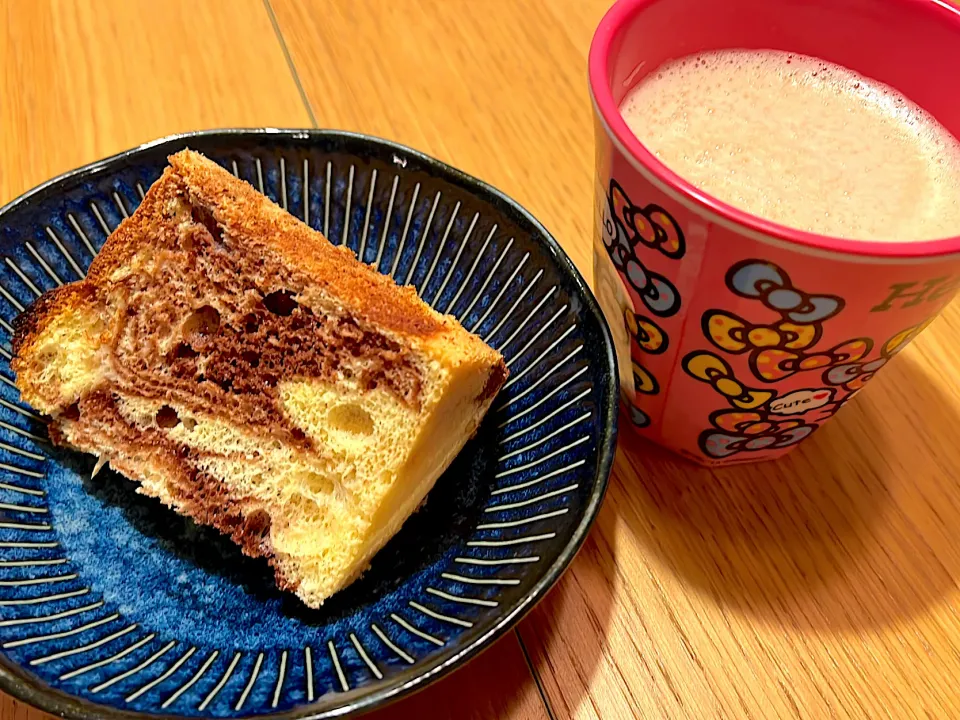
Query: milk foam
[802,142]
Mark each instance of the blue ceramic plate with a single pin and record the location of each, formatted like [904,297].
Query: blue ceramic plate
[113,606]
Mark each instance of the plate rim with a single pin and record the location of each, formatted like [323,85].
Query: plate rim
[20,684]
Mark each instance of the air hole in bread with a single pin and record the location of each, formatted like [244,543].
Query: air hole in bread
[203,321]
[351,418]
[251,358]
[280,303]
[258,523]
[184,350]
[204,217]
[189,423]
[317,483]
[72,412]
[167,417]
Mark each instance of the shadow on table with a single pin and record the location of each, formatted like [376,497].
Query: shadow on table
[820,539]
[496,684]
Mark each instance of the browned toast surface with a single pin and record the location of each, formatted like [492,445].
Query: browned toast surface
[238,208]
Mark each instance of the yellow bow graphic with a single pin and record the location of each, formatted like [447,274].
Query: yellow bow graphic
[643,381]
[647,333]
[734,334]
[709,368]
[776,351]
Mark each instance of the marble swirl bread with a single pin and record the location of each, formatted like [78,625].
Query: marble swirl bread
[253,376]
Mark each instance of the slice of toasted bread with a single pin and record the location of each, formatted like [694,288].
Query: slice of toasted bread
[253,376]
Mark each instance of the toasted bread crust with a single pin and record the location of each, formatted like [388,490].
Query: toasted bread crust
[28,325]
[246,214]
[256,221]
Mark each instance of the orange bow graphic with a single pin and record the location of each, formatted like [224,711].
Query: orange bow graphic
[773,365]
[776,350]
[734,334]
[750,423]
[853,375]
[651,225]
[643,381]
[656,229]
[645,332]
[709,368]
[903,338]
[619,202]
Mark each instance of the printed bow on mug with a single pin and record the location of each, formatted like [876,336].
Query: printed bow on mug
[655,291]
[736,335]
[720,445]
[775,350]
[643,381]
[638,417]
[750,423]
[773,365]
[709,368]
[651,225]
[657,230]
[614,234]
[645,332]
[903,338]
[854,375]
[772,286]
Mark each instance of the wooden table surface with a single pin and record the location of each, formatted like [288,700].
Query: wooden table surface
[821,586]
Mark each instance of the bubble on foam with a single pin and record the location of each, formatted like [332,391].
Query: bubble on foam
[802,142]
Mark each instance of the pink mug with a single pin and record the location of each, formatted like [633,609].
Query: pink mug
[737,337]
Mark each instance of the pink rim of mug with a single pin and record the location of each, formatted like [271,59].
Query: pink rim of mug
[704,204]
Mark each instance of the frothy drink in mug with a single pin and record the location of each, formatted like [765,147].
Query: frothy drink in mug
[803,143]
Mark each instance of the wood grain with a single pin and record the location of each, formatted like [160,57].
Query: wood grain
[496,88]
[497,684]
[82,80]
[822,586]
